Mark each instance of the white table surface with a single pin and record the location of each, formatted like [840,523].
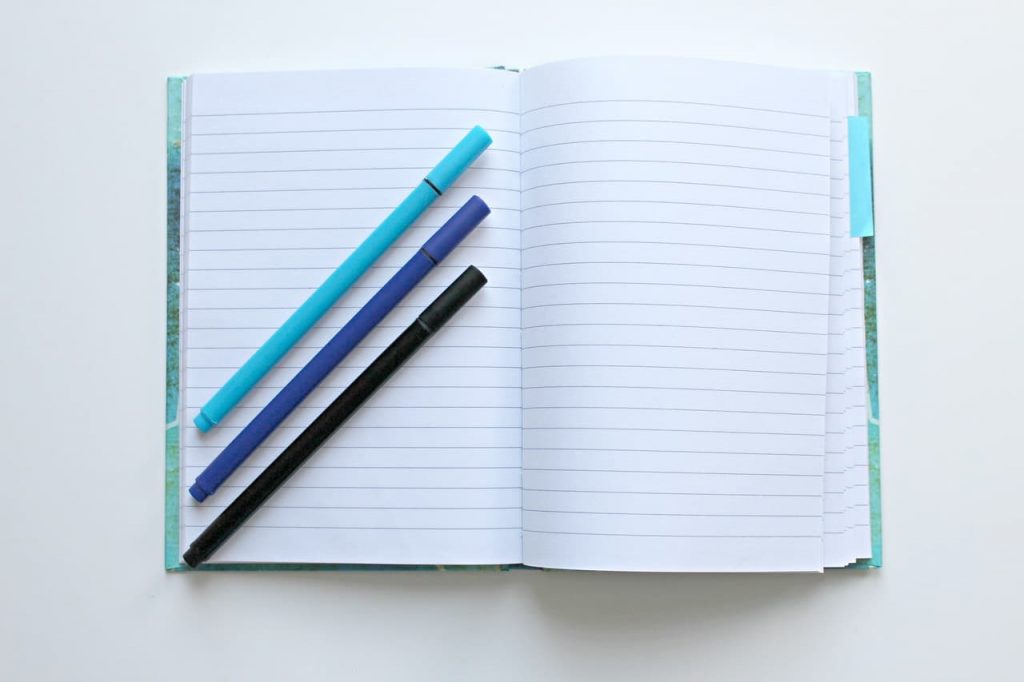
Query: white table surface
[83,594]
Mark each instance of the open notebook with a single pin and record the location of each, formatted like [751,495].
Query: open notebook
[668,370]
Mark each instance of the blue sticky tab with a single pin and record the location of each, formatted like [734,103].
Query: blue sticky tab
[862,209]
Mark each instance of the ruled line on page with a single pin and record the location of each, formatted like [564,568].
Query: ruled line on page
[384,487]
[334,170]
[337,328]
[668,471]
[343,149]
[418,366]
[318,347]
[679,452]
[848,528]
[670,243]
[320,407]
[671,101]
[351,427]
[675,163]
[669,202]
[674,284]
[667,263]
[669,409]
[379,268]
[384,447]
[361,228]
[653,429]
[526,448]
[670,535]
[356,287]
[490,129]
[710,516]
[355,111]
[539,225]
[681,142]
[661,492]
[365,508]
[673,326]
[524,131]
[342,307]
[549,386]
[700,368]
[332,189]
[328,208]
[389,468]
[667,182]
[373,528]
[655,345]
[674,305]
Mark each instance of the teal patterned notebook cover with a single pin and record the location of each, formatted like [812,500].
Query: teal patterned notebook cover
[172,480]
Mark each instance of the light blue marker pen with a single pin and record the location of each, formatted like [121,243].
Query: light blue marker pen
[302,320]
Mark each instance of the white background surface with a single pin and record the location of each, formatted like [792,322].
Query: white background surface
[83,595]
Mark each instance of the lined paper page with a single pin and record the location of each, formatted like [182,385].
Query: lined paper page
[857,407]
[675,315]
[847,512]
[286,174]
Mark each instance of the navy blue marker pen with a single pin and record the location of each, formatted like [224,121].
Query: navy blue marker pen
[433,251]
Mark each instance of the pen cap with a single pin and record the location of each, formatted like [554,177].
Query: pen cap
[455,230]
[451,299]
[459,158]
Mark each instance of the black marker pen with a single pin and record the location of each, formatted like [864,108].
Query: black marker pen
[302,448]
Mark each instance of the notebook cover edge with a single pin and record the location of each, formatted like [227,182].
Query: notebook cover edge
[171,437]
[864,105]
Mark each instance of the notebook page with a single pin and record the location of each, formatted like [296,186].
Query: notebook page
[857,386]
[286,175]
[837,453]
[847,513]
[675,315]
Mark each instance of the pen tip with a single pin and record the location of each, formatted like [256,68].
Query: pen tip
[191,557]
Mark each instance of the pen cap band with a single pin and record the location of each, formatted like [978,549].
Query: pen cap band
[451,299]
[459,158]
[455,230]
